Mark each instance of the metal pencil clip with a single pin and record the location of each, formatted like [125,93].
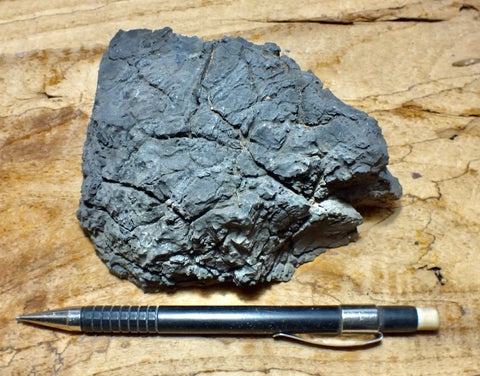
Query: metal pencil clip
[378,338]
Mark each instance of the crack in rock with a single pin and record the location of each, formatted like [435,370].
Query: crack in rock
[221,161]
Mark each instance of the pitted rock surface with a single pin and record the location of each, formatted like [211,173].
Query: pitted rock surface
[221,161]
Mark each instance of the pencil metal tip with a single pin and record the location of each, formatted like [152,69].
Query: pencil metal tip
[66,319]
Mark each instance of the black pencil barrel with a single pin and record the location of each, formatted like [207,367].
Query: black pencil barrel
[211,319]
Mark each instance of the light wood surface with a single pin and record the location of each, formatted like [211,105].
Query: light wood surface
[413,65]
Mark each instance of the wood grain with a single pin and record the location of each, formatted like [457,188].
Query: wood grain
[412,65]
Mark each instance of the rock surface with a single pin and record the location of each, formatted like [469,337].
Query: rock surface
[221,161]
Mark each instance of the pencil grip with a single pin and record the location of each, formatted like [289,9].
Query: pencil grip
[119,319]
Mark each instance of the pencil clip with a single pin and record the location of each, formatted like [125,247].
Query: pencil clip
[343,344]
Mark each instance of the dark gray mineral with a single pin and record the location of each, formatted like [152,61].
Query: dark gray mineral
[221,161]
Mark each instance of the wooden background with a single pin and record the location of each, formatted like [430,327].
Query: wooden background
[413,65]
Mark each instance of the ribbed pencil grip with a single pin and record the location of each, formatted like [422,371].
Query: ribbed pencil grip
[119,319]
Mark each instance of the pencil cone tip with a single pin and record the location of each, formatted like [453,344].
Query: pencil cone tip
[66,319]
[28,317]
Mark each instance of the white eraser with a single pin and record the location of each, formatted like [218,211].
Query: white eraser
[427,318]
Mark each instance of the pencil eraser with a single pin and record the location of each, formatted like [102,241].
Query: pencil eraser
[427,318]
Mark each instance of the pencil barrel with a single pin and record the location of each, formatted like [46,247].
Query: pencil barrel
[211,319]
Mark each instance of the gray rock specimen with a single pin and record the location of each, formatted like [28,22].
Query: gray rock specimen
[221,161]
